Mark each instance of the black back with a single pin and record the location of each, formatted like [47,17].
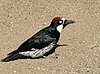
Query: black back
[40,40]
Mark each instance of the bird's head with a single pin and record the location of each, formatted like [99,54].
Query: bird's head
[60,23]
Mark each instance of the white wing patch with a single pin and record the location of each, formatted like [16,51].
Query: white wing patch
[38,52]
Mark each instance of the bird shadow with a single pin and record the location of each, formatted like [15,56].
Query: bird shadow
[53,50]
[48,53]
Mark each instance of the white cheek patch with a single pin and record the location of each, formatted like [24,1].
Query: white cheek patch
[60,28]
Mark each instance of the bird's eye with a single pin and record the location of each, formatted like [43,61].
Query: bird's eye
[60,21]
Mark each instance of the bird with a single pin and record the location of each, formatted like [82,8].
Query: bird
[40,43]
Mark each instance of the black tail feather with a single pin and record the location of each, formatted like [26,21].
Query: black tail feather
[12,57]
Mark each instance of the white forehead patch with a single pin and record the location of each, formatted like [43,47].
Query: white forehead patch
[63,19]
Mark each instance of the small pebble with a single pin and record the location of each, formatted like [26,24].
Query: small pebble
[88,69]
[38,68]
[98,66]
[43,69]
[28,59]
[15,71]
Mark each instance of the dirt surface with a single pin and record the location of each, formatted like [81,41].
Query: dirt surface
[20,19]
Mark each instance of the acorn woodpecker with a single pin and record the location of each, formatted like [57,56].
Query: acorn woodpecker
[40,43]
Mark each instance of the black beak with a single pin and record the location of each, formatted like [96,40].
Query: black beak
[66,22]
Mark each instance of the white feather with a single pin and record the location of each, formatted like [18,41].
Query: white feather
[38,52]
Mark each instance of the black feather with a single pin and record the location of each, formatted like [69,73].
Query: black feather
[40,40]
[23,47]
[12,57]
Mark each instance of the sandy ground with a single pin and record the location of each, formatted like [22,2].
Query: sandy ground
[20,19]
